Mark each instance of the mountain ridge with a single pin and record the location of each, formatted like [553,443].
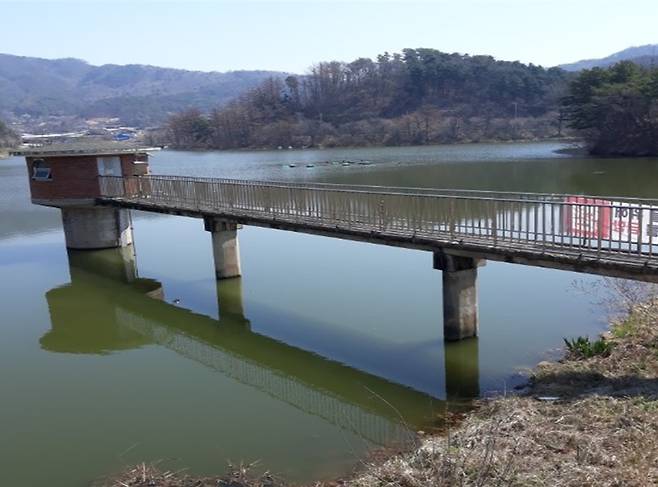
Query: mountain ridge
[36,88]
[644,55]
[42,87]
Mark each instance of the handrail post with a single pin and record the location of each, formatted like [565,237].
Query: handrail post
[452,218]
[639,229]
[494,223]
[599,230]
[543,224]
[381,214]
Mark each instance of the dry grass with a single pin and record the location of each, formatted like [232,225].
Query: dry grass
[151,476]
[591,422]
[525,442]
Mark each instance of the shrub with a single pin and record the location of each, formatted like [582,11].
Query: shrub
[583,347]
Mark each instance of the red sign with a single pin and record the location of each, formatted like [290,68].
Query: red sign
[588,217]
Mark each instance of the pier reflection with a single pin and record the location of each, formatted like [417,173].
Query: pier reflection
[107,307]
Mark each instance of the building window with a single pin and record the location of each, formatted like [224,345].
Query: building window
[41,171]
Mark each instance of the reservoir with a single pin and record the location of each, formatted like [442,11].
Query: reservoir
[322,353]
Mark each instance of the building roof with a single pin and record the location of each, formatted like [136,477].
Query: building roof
[83,148]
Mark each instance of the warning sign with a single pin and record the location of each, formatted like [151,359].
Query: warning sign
[619,221]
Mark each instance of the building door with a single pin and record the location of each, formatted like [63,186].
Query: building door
[109,166]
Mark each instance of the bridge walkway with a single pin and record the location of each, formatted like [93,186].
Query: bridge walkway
[612,236]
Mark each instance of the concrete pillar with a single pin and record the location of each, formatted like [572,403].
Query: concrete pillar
[226,250]
[96,227]
[460,304]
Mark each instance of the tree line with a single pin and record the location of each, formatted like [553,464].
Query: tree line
[616,109]
[419,96]
[8,137]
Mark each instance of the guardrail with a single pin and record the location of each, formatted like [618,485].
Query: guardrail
[592,224]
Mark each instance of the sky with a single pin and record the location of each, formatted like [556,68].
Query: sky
[291,36]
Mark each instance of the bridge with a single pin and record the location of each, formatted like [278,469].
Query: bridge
[610,236]
[96,187]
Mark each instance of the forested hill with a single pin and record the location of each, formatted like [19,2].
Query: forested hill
[136,93]
[414,97]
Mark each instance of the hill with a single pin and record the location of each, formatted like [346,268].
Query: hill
[643,55]
[136,93]
[419,96]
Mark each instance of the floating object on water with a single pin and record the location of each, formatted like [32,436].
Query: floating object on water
[176,301]
[292,165]
[344,163]
[310,165]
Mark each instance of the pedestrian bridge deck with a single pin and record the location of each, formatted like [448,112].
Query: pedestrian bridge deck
[613,236]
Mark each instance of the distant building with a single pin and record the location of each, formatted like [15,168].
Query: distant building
[36,140]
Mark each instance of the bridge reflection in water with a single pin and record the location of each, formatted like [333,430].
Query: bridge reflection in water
[107,308]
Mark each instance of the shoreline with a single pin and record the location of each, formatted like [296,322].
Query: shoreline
[581,420]
[564,139]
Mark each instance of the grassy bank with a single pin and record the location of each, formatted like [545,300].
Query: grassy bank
[590,419]
[582,421]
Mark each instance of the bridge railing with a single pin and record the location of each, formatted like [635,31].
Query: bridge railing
[407,190]
[545,221]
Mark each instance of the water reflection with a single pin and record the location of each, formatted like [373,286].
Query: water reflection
[108,307]
[462,369]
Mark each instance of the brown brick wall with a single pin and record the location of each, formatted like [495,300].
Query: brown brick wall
[127,164]
[72,177]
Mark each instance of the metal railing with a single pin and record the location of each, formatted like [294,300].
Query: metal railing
[599,225]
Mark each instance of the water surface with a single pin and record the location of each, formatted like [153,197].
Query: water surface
[322,351]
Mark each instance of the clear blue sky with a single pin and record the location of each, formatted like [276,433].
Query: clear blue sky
[229,35]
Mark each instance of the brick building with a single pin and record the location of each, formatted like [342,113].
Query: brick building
[66,176]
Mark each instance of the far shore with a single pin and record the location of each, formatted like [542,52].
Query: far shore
[562,139]
[578,148]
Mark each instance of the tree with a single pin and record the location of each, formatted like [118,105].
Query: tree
[189,129]
[616,109]
[8,137]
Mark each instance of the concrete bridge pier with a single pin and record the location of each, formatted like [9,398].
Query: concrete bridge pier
[226,250]
[91,227]
[460,303]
